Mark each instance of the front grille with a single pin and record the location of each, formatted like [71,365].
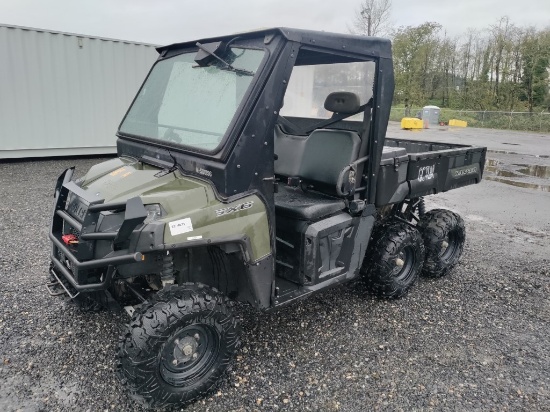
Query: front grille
[69,230]
[63,259]
[76,207]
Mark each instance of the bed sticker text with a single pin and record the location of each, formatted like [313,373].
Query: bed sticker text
[468,170]
[426,173]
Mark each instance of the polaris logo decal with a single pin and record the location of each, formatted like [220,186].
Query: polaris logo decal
[204,172]
[426,173]
[177,227]
[77,208]
[464,171]
[232,209]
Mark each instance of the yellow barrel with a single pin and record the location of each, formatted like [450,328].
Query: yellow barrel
[411,123]
[458,123]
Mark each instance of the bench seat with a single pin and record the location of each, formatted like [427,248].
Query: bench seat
[293,202]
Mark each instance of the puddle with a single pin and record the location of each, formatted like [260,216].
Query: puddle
[525,185]
[494,166]
[503,173]
[512,144]
[536,170]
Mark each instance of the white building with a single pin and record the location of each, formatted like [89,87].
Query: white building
[65,94]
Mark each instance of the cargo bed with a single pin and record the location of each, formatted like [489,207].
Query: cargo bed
[410,169]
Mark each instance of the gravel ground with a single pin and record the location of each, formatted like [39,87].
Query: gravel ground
[474,340]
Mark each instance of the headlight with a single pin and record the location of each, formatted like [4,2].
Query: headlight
[154,212]
[79,181]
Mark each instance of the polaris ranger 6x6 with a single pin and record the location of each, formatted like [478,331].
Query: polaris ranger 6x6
[252,168]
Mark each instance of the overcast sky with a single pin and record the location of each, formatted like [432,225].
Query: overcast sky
[169,21]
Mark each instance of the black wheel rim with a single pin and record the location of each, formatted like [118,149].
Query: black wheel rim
[189,354]
[404,264]
[448,247]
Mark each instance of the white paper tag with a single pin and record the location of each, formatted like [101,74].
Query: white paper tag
[177,227]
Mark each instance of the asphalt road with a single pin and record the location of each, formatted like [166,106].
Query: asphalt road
[477,339]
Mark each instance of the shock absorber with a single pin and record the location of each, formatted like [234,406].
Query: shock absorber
[167,272]
[421,207]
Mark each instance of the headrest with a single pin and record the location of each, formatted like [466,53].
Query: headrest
[342,102]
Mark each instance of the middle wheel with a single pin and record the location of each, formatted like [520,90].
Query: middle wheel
[394,260]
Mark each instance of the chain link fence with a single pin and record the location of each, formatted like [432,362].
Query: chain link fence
[527,121]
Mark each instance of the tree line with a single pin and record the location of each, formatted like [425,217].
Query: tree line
[503,67]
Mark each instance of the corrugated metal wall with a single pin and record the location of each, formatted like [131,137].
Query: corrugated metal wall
[65,94]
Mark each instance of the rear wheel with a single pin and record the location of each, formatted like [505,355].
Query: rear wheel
[444,236]
[394,260]
[178,346]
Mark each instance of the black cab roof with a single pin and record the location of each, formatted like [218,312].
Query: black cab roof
[363,45]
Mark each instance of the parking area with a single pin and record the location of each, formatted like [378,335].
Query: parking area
[474,340]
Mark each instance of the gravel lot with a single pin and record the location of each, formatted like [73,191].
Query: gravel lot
[475,340]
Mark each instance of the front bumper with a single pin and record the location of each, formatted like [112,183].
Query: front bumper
[75,264]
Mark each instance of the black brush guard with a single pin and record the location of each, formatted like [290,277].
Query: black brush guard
[82,259]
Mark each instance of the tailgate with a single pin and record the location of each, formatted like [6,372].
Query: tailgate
[438,167]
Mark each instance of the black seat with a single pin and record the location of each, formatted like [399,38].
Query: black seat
[317,161]
[295,203]
[326,153]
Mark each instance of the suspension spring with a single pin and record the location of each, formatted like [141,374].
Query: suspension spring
[167,272]
[421,207]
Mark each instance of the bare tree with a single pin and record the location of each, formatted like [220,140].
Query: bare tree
[373,18]
[502,39]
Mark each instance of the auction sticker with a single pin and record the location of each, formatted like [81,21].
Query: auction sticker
[177,227]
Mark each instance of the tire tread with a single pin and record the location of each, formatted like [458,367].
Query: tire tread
[434,226]
[152,324]
[387,241]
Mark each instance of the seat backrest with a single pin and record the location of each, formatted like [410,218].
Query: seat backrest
[289,150]
[326,153]
[319,158]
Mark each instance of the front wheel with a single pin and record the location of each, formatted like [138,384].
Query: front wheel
[394,260]
[444,236]
[178,346]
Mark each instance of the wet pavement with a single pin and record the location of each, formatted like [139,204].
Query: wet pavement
[528,176]
[476,339]
[519,159]
[496,141]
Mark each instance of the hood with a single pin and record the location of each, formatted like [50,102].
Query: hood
[120,179]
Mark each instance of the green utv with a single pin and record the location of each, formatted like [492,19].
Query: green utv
[253,168]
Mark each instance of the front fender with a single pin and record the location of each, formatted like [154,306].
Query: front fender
[244,221]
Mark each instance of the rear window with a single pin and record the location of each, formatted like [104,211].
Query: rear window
[310,85]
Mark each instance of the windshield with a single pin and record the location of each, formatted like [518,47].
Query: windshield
[184,103]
